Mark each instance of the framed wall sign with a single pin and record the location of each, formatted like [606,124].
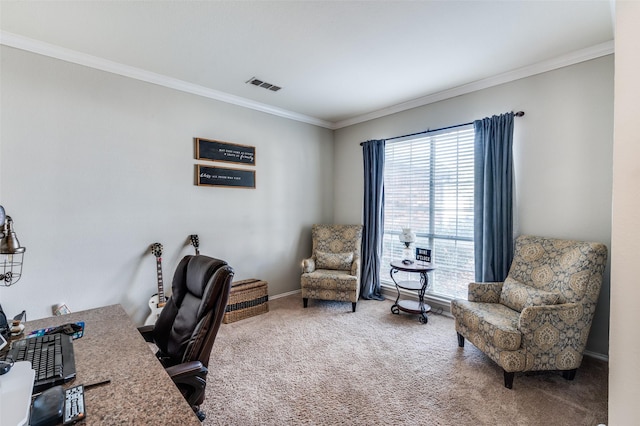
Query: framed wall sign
[213,150]
[423,255]
[221,176]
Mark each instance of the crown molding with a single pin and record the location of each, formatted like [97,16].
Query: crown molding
[68,55]
[572,58]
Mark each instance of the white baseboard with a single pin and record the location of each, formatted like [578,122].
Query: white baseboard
[289,293]
[596,355]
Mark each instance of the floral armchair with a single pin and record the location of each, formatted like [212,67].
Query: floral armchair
[538,318]
[333,270]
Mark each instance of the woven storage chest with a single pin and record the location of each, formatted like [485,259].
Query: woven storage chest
[248,298]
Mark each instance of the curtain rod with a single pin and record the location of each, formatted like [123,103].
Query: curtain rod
[517,114]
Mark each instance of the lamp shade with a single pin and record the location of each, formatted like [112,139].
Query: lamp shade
[407,236]
[11,252]
[9,243]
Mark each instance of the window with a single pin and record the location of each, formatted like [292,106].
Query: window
[428,184]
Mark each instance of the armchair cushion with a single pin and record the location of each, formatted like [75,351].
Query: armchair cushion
[518,296]
[334,280]
[490,322]
[336,261]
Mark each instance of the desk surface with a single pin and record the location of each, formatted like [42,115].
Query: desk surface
[140,391]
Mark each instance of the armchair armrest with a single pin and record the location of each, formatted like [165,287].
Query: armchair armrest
[552,329]
[484,292]
[308,265]
[147,332]
[534,317]
[355,267]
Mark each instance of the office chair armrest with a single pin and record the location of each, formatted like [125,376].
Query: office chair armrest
[147,332]
[185,370]
[191,379]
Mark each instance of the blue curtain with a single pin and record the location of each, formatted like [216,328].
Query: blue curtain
[493,227]
[373,154]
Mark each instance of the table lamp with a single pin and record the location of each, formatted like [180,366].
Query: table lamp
[407,237]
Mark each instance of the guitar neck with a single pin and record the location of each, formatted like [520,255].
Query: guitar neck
[161,297]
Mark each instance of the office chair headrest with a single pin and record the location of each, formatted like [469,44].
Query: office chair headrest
[199,270]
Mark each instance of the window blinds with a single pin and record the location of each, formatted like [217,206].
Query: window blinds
[429,187]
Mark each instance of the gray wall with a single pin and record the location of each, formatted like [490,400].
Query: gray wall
[562,149]
[95,167]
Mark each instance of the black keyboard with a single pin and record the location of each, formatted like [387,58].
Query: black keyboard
[51,357]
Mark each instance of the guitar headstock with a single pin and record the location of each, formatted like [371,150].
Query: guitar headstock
[156,249]
[195,241]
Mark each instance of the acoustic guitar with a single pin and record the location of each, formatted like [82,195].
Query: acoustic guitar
[158,300]
[195,241]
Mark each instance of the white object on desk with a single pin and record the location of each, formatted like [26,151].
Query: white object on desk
[16,330]
[15,394]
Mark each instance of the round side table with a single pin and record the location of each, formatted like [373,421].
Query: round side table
[411,306]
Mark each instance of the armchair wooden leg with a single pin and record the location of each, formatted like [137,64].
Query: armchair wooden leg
[305,301]
[460,340]
[353,306]
[569,374]
[508,379]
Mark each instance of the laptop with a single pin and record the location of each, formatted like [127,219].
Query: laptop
[51,357]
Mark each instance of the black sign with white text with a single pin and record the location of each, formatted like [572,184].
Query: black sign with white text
[220,176]
[224,151]
[423,255]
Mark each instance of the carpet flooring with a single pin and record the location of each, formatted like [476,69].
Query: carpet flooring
[325,365]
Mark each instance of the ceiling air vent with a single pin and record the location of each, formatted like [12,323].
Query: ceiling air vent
[263,84]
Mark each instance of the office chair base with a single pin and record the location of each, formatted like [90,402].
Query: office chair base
[201,415]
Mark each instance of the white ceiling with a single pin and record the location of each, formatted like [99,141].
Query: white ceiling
[338,62]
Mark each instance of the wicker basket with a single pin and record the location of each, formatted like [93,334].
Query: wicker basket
[248,298]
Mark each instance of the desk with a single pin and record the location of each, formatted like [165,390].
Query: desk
[421,286]
[140,391]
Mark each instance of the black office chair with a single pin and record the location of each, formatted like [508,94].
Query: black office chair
[187,326]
